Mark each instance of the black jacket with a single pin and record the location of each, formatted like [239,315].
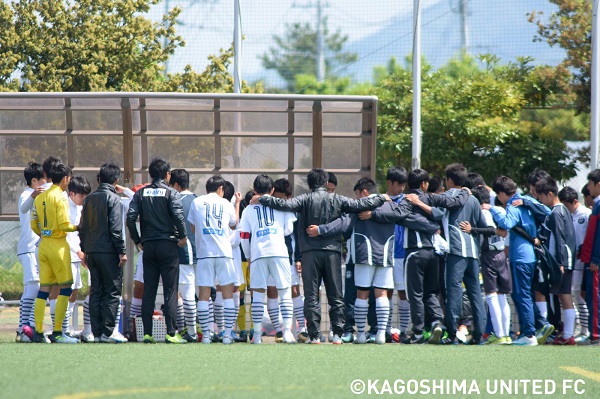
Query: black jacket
[160,211]
[320,207]
[101,223]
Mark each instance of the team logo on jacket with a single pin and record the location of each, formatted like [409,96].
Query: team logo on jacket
[581,220]
[349,274]
[155,192]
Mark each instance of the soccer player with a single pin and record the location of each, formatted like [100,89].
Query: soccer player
[580,215]
[211,216]
[163,230]
[50,220]
[26,248]
[180,181]
[263,232]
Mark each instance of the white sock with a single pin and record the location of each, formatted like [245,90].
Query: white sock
[404,314]
[505,309]
[495,314]
[136,308]
[569,323]
[361,308]
[258,310]
[218,308]
[273,309]
[299,312]
[203,318]
[382,308]
[543,307]
[87,323]
[52,309]
[236,303]
[229,315]
[287,307]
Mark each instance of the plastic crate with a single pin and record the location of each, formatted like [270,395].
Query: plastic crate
[159,328]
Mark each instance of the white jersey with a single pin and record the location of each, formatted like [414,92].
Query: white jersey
[73,236]
[267,228]
[212,217]
[580,223]
[28,239]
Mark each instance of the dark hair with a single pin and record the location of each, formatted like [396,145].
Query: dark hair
[546,186]
[33,170]
[181,177]
[586,191]
[158,168]
[504,185]
[213,183]
[366,183]
[283,186]
[416,177]
[397,174]
[474,180]
[109,173]
[482,194]
[537,175]
[568,194]
[59,172]
[594,176]
[457,173]
[228,190]
[316,178]
[79,185]
[50,163]
[497,202]
[331,178]
[263,184]
[248,197]
[435,184]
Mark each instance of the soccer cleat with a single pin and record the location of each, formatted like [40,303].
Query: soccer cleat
[40,338]
[330,336]
[371,337]
[227,339]
[505,340]
[462,334]
[174,339]
[29,332]
[380,338]
[60,338]
[348,337]
[564,341]
[336,340]
[493,340]
[525,341]
[543,333]
[314,341]
[234,336]
[288,337]
[87,338]
[256,339]
[22,338]
[417,339]
[361,338]
[303,337]
[206,340]
[149,339]
[219,337]
[436,334]
[243,337]
[449,341]
[115,338]
[279,337]
[190,338]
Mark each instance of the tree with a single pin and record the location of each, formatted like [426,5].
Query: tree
[296,52]
[571,29]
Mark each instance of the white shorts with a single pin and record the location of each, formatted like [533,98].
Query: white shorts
[295,277]
[210,271]
[75,268]
[187,274]
[399,283]
[139,268]
[366,276]
[31,271]
[576,280]
[239,273]
[276,268]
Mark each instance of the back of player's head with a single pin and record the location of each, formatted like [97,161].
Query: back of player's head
[50,163]
[263,184]
[546,186]
[158,168]
[213,183]
[482,194]
[416,178]
[33,170]
[317,178]
[248,197]
[458,173]
[332,178]
[367,184]
[283,186]
[228,190]
[397,174]
[181,177]
[109,173]
[594,176]
[537,175]
[568,194]
[586,191]
[504,184]
[474,180]
[435,184]
[79,185]
[59,172]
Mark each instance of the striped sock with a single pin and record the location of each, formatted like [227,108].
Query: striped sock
[211,313]
[361,308]
[136,308]
[218,306]
[273,309]
[404,314]
[583,313]
[87,323]
[382,308]
[229,315]
[20,328]
[189,307]
[287,307]
[388,327]
[299,312]
[180,316]
[68,315]
[27,303]
[258,310]
[203,318]
[118,319]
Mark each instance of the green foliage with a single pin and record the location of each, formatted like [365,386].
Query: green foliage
[309,84]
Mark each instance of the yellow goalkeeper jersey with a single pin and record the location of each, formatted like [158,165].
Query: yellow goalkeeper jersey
[50,214]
